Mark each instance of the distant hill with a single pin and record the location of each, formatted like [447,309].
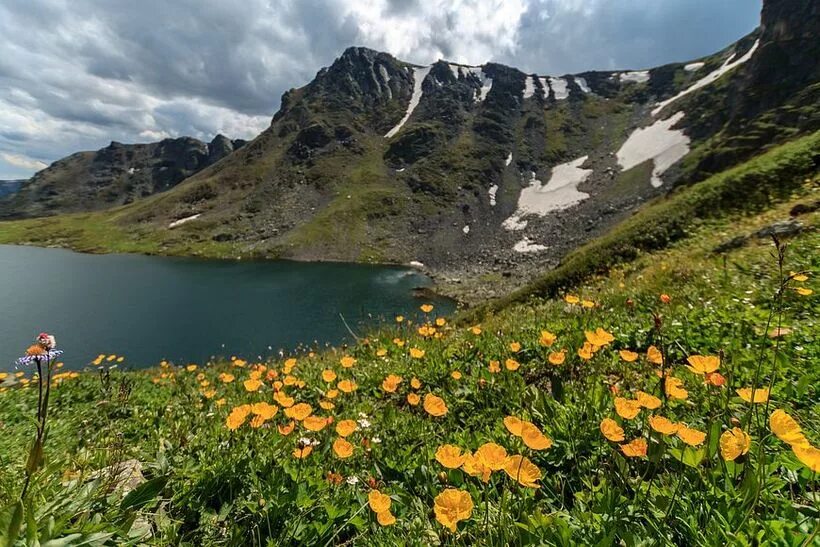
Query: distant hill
[114,175]
[10,186]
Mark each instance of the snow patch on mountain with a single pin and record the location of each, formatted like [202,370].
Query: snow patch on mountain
[508,161]
[455,69]
[582,83]
[493,191]
[693,67]
[658,142]
[560,88]
[419,74]
[486,83]
[635,77]
[527,245]
[710,78]
[529,87]
[561,192]
[182,221]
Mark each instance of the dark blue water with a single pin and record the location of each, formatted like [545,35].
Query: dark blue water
[188,310]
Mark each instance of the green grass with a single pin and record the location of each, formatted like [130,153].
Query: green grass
[207,485]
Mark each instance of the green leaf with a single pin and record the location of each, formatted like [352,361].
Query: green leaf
[143,494]
[79,540]
[32,539]
[35,456]
[11,518]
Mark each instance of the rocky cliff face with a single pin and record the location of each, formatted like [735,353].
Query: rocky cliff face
[114,175]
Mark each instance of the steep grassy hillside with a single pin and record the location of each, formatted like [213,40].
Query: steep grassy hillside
[413,435]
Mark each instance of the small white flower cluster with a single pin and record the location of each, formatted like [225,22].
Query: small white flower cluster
[363,422]
[307,441]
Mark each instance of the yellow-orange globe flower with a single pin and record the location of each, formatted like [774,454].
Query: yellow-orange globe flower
[451,507]
[434,405]
[450,456]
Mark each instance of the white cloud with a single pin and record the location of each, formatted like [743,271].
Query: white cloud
[22,162]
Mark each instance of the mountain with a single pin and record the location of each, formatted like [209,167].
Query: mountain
[485,172]
[114,175]
[10,186]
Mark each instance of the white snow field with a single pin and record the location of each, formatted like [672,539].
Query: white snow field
[182,221]
[560,88]
[529,87]
[486,82]
[658,142]
[527,245]
[635,77]
[709,78]
[582,83]
[419,74]
[693,67]
[561,192]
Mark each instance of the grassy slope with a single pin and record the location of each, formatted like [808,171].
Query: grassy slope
[224,487]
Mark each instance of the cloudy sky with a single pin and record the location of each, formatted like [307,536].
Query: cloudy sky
[76,74]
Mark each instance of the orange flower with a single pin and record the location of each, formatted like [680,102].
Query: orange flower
[252,384]
[533,437]
[326,405]
[434,405]
[654,355]
[450,456]
[715,379]
[571,299]
[636,448]
[648,401]
[808,456]
[674,388]
[226,378]
[378,502]
[332,393]
[315,423]
[515,347]
[514,425]
[286,429]
[452,506]
[627,408]
[664,426]
[557,357]
[266,410]
[690,436]
[521,469]
[492,456]
[426,308]
[282,398]
[750,395]
[328,375]
[734,443]
[475,467]
[347,361]
[440,321]
[347,386]
[413,399]
[547,338]
[665,298]
[599,337]
[456,375]
[703,364]
[342,448]
[416,353]
[301,452]
[346,427]
[299,411]
[511,365]
[611,430]
[386,518]
[391,383]
[495,367]
[415,383]
[628,356]
[786,428]
[586,351]
[237,417]
[475,329]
